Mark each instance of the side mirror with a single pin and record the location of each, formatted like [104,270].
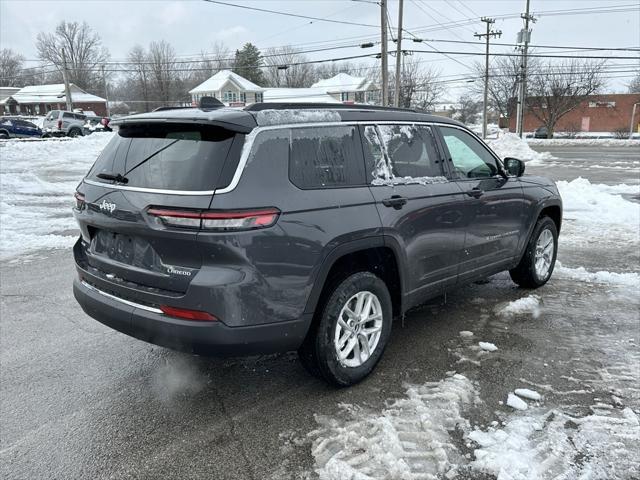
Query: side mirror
[513,166]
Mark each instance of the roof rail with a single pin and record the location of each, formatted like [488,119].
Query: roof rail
[257,107]
[161,109]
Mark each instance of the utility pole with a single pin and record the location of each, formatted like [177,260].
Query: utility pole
[490,33]
[65,77]
[525,36]
[106,91]
[396,98]
[385,66]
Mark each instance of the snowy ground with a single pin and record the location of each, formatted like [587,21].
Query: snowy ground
[37,180]
[493,382]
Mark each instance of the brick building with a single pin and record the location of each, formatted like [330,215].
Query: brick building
[40,99]
[598,113]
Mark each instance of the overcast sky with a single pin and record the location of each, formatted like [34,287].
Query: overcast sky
[194,25]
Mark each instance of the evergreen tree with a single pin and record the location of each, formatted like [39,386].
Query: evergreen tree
[248,62]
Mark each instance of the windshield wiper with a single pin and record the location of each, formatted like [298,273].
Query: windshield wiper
[151,156]
[113,177]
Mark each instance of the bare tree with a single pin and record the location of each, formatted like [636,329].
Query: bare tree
[294,76]
[83,50]
[10,67]
[559,88]
[467,110]
[140,78]
[634,84]
[503,82]
[210,63]
[162,67]
[420,87]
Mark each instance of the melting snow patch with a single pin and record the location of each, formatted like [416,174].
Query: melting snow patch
[408,180]
[529,394]
[279,117]
[554,445]
[466,334]
[408,439]
[516,402]
[522,306]
[488,347]
[631,279]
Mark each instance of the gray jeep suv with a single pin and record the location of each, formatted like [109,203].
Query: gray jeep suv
[299,227]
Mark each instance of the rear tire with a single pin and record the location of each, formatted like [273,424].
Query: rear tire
[75,132]
[539,259]
[4,135]
[349,336]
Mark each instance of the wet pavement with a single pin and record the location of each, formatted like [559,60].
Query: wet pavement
[79,400]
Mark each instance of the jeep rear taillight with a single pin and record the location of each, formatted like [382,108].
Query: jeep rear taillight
[80,203]
[220,220]
[59,124]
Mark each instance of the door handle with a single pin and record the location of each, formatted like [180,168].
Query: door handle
[396,201]
[475,192]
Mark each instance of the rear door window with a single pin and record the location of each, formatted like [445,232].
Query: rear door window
[411,150]
[325,157]
[169,156]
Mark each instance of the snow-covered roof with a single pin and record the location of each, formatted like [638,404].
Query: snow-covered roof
[53,93]
[343,82]
[297,95]
[215,83]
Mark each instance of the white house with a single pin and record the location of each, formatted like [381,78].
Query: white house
[40,99]
[228,87]
[347,88]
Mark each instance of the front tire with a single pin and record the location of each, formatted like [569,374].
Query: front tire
[539,259]
[352,331]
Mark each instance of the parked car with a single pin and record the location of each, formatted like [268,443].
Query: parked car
[541,132]
[281,227]
[11,127]
[60,123]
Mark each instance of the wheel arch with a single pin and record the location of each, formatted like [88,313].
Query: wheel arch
[357,256]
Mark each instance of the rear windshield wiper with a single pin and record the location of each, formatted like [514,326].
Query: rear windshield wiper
[113,177]
[151,156]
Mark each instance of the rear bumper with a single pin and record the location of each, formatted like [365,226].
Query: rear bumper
[204,338]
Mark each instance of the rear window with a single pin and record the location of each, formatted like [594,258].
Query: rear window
[322,157]
[169,156]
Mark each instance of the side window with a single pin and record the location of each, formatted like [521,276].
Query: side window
[469,157]
[375,162]
[67,115]
[411,150]
[322,157]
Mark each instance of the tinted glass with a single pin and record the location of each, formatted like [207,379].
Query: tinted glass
[67,115]
[325,157]
[469,157]
[170,156]
[411,151]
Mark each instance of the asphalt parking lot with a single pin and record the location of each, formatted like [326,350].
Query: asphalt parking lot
[82,401]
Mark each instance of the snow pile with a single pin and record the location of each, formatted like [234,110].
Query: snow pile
[37,181]
[628,279]
[408,439]
[466,334]
[487,347]
[529,305]
[554,445]
[510,145]
[596,203]
[516,402]
[600,142]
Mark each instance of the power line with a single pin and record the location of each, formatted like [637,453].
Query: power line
[288,14]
